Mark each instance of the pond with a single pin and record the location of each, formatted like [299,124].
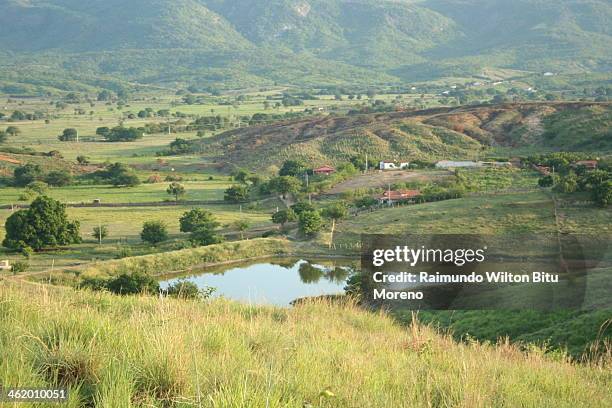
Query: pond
[275,282]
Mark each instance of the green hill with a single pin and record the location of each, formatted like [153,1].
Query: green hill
[436,134]
[144,351]
[231,43]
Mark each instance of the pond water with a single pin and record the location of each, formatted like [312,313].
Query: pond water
[276,282]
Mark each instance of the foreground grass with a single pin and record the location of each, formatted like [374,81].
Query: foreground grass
[145,351]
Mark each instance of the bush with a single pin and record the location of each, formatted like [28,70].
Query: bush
[154,232]
[19,267]
[310,222]
[236,194]
[60,178]
[26,174]
[124,284]
[188,290]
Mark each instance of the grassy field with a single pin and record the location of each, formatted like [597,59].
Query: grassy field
[140,351]
[485,214]
[42,136]
[124,227]
[209,190]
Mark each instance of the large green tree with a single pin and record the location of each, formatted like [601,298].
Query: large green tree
[201,225]
[310,222]
[26,174]
[292,168]
[285,185]
[44,224]
[237,194]
[154,232]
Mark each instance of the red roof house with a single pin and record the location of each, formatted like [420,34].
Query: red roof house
[324,170]
[589,164]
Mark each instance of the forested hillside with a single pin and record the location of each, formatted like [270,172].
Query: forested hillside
[295,41]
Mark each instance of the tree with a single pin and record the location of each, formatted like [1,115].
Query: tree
[13,130]
[44,224]
[284,216]
[105,95]
[567,184]
[122,134]
[154,232]
[180,146]
[335,212]
[68,135]
[204,236]
[126,179]
[240,175]
[546,181]
[3,136]
[236,194]
[310,222]
[177,190]
[593,179]
[26,174]
[103,131]
[301,207]
[285,185]
[59,178]
[292,168]
[37,188]
[602,193]
[119,174]
[241,226]
[100,232]
[202,225]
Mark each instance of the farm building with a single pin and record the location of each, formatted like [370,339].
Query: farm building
[324,170]
[5,265]
[388,165]
[450,164]
[399,195]
[589,164]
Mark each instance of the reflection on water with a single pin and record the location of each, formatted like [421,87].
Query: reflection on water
[276,282]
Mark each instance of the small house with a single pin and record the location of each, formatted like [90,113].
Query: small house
[5,265]
[589,164]
[398,195]
[324,170]
[389,165]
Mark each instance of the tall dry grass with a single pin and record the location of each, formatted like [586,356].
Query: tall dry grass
[145,351]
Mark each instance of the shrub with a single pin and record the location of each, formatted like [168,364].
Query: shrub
[188,290]
[310,222]
[19,267]
[236,194]
[60,178]
[133,284]
[154,232]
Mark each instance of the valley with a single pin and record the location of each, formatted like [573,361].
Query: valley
[192,192]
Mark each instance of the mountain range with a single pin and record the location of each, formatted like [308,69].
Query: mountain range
[232,43]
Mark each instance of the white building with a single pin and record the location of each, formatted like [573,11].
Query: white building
[387,165]
[5,265]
